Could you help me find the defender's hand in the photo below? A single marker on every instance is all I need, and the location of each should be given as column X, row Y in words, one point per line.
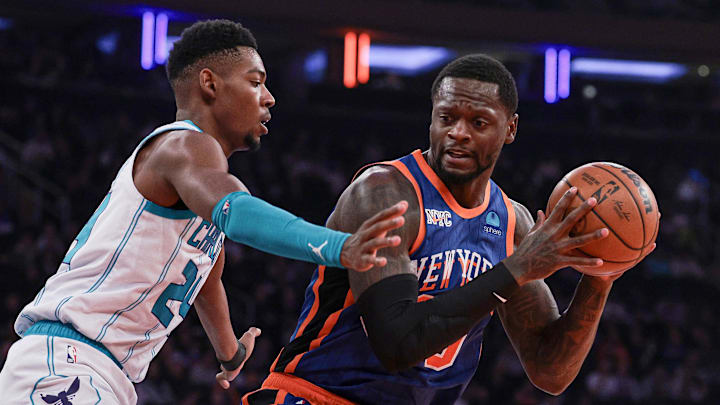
column 360, row 250
column 548, row 245
column 248, row 340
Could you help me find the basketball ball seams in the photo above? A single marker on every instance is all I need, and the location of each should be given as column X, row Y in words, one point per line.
column 606, row 224
column 637, row 205
column 604, row 181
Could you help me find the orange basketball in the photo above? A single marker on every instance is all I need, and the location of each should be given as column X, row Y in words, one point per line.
column 626, row 206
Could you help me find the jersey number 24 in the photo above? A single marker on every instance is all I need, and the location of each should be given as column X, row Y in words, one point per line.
column 177, row 292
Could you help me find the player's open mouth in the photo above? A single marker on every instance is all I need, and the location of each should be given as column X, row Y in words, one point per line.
column 457, row 154
column 263, row 123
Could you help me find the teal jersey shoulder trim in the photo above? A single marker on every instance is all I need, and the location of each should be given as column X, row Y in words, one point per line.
column 197, row 128
column 166, row 212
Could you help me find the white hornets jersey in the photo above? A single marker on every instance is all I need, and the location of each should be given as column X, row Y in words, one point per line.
column 131, row 274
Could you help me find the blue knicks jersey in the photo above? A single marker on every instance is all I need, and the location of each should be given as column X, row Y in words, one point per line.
column 329, row 347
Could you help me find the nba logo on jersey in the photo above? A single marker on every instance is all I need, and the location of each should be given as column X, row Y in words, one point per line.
column 72, row 353
column 226, row 207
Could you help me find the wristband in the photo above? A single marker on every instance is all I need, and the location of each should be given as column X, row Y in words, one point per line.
column 237, row 359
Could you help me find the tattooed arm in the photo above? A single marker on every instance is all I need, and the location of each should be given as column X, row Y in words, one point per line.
column 550, row 345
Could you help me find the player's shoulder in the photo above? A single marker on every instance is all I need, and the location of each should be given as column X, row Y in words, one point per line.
column 380, row 174
column 380, row 180
column 523, row 220
column 188, row 147
column 375, row 188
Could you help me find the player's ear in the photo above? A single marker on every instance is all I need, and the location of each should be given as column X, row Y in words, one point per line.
column 512, row 124
column 207, row 79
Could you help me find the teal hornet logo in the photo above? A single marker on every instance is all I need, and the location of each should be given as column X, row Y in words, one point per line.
column 492, row 219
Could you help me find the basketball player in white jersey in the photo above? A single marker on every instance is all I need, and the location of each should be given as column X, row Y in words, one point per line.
column 154, row 245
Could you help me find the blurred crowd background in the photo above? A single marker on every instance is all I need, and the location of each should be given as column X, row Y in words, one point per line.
column 75, row 102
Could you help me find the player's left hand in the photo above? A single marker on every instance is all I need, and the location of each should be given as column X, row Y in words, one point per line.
column 248, row 340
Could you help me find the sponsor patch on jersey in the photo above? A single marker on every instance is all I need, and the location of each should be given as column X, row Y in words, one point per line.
column 72, row 353
column 438, row 218
column 492, row 224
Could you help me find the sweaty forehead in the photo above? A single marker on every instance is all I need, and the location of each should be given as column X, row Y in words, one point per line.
column 455, row 90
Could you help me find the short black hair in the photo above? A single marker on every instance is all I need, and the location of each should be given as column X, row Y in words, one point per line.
column 206, row 38
column 484, row 68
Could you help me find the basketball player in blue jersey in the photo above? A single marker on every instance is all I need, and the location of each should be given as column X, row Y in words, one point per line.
column 411, row 332
column 154, row 246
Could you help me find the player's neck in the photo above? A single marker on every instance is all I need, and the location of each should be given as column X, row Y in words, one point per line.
column 470, row 194
column 206, row 124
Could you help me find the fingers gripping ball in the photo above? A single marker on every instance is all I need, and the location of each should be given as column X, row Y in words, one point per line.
column 625, row 205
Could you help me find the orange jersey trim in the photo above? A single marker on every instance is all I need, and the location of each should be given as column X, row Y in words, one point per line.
column 313, row 311
column 510, row 232
column 466, row 213
column 406, row 172
column 316, row 302
column 280, row 397
column 303, row 389
column 330, row 323
column 421, row 229
column 326, row 329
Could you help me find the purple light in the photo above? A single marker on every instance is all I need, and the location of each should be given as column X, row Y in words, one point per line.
column 161, row 24
column 563, row 87
column 407, row 60
column 551, row 75
column 146, row 50
column 648, row 70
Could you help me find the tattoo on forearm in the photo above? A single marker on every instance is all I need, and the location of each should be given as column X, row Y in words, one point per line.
column 566, row 343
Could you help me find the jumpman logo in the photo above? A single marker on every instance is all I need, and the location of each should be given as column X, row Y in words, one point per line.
column 318, row 250
column 64, row 397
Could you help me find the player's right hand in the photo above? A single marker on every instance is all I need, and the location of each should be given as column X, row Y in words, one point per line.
column 360, row 250
column 547, row 247
column 224, row 377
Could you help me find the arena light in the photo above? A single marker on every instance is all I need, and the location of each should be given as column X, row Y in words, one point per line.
column 407, row 60
column 146, row 47
column 5, row 23
column 563, row 85
column 350, row 66
column 161, row 51
column 363, row 72
column 551, row 56
column 649, row 70
column 315, row 65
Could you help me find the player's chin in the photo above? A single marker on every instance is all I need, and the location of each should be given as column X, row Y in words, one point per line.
column 455, row 175
column 252, row 142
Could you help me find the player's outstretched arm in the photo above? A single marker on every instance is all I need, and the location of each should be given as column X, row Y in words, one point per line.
column 551, row 346
column 212, row 308
column 195, row 167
